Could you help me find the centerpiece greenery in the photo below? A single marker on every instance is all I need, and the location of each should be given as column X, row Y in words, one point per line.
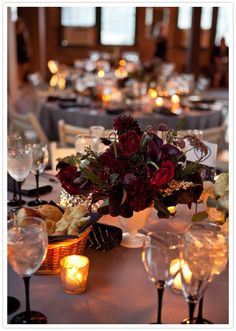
column 138, row 169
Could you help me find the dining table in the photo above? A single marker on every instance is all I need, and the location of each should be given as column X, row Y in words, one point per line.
column 118, row 289
column 87, row 115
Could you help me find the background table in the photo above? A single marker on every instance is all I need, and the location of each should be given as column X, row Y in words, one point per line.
column 51, row 113
column 118, row 291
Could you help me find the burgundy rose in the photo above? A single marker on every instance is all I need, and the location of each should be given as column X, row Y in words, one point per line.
column 129, row 143
column 67, row 175
column 164, row 175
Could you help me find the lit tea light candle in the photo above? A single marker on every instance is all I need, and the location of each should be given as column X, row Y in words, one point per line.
column 159, row 102
column 175, row 99
column 152, row 93
column 121, row 72
column 61, row 83
column 53, row 66
column 172, row 209
column 175, row 267
column 53, row 81
column 122, row 63
column 74, row 273
column 101, row 73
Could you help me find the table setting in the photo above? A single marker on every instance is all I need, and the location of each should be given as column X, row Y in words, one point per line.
column 120, row 223
column 147, row 91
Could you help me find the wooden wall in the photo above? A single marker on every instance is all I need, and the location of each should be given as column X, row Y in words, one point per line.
column 178, row 40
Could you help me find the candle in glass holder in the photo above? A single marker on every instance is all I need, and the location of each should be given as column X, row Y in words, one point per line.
column 152, row 93
column 74, row 273
column 175, row 266
column 101, row 73
column 172, row 210
column 159, row 102
column 175, row 99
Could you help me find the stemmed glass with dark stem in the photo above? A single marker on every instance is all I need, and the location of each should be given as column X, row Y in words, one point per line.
column 212, row 238
column 159, row 250
column 14, row 141
column 40, row 161
column 27, row 248
column 19, row 164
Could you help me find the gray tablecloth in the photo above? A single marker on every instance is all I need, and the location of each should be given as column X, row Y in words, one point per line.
column 51, row 113
column 118, row 291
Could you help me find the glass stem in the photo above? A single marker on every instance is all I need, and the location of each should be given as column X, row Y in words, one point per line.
column 19, row 187
column 27, row 299
column 160, row 290
column 14, row 190
column 200, row 309
column 191, row 306
column 37, row 184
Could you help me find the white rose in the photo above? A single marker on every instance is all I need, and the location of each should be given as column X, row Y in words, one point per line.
column 224, row 200
column 222, row 184
column 216, row 215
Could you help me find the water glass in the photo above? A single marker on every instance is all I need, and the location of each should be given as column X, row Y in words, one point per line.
column 27, row 244
column 19, row 165
column 159, row 251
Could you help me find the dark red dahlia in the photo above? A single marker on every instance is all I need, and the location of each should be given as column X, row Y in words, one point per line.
column 125, row 123
column 141, row 194
column 129, row 143
column 108, row 160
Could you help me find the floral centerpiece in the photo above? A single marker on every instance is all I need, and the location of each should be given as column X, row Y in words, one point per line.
column 138, row 169
column 215, row 197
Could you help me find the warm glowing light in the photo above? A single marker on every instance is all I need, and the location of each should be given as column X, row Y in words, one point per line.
column 101, row 73
column 53, row 81
column 172, row 209
column 106, row 97
column 159, row 101
column 61, row 83
column 152, row 93
column 122, row 63
column 121, row 72
column 74, row 273
column 53, row 66
column 175, row 99
column 175, row 267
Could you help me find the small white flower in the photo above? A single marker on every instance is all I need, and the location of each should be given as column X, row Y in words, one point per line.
column 222, row 184
column 216, row 215
column 224, row 200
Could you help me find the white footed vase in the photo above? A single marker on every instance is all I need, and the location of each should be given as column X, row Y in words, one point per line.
column 131, row 237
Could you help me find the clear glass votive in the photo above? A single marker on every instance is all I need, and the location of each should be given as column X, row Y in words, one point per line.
column 97, row 130
column 84, row 141
column 74, row 273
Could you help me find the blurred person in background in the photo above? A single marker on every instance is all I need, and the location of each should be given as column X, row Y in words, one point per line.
column 219, row 59
column 161, row 43
column 23, row 51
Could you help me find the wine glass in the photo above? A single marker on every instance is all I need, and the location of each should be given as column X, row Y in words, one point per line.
column 27, row 248
column 19, row 165
column 40, row 161
column 159, row 250
column 197, row 266
column 218, row 240
column 14, row 140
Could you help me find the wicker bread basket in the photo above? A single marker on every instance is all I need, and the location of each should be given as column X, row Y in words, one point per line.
column 56, row 251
